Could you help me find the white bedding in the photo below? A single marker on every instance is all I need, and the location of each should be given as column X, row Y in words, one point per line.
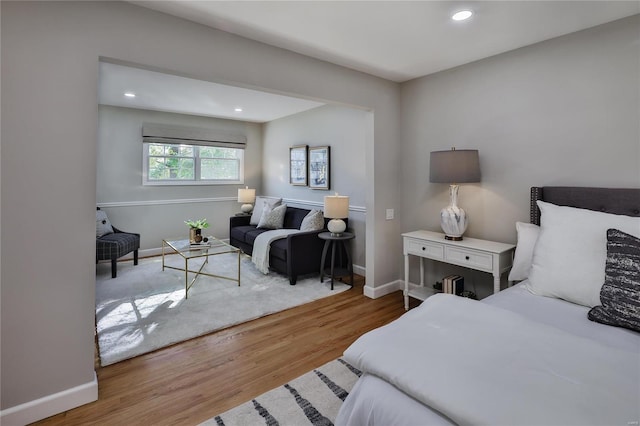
column 585, row 373
column 262, row 246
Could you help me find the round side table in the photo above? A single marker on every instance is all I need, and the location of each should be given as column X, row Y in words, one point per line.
column 332, row 240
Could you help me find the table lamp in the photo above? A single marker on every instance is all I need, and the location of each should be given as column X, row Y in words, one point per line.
column 454, row 167
column 248, row 197
column 336, row 208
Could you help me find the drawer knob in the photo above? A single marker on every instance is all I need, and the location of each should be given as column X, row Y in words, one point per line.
column 424, row 248
column 466, row 257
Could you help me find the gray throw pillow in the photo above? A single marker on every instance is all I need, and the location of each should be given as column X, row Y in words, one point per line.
column 259, row 206
column 620, row 294
column 103, row 226
column 273, row 219
column 313, row 221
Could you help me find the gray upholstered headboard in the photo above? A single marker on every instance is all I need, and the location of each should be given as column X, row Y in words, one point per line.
column 624, row 201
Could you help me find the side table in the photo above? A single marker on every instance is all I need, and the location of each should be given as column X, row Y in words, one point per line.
column 332, row 240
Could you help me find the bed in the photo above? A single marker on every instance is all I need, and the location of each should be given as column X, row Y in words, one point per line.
column 560, row 347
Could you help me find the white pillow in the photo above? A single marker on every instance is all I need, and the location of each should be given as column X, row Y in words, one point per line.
column 261, row 203
column 313, row 221
column 527, row 237
column 570, row 255
column 273, row 219
column 103, row 226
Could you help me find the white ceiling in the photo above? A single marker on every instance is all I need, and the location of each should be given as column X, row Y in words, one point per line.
column 163, row 92
column 395, row 40
column 398, row 40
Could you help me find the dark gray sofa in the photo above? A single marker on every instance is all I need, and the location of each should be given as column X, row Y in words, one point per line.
column 295, row 255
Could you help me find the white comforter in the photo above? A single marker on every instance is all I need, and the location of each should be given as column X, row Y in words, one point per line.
column 480, row 364
column 262, row 246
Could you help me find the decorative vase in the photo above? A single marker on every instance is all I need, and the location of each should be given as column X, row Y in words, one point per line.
column 195, row 235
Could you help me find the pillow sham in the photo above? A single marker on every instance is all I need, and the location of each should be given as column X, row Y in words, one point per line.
column 527, row 237
column 103, row 226
column 313, row 221
column 620, row 294
column 260, row 204
column 273, row 218
column 570, row 254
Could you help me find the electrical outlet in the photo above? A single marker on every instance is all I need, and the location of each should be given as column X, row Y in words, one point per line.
column 390, row 214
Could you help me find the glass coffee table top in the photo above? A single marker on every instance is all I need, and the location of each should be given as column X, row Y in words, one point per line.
column 190, row 251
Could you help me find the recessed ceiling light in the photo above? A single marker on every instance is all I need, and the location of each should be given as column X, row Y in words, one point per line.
column 130, row 95
column 238, row 109
column 462, row 15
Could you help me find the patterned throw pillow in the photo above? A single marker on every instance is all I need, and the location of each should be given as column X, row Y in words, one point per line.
column 103, row 226
column 273, row 219
column 620, row 294
column 260, row 205
column 313, row 221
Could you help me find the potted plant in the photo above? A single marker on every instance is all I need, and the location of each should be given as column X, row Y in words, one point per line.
column 195, row 229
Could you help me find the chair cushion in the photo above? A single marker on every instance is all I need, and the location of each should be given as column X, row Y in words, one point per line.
column 116, row 245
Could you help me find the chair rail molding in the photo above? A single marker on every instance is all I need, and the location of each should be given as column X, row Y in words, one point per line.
column 165, row 202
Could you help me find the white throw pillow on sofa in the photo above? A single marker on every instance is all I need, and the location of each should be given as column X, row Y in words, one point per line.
column 261, row 203
column 570, row 255
column 273, row 218
column 527, row 237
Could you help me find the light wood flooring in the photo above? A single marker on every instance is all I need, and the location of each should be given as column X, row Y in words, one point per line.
column 190, row 382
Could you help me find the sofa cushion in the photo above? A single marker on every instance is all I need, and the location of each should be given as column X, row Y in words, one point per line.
column 251, row 235
column 239, row 232
column 293, row 217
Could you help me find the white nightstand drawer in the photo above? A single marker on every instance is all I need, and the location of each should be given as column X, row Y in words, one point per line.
column 425, row 249
column 470, row 258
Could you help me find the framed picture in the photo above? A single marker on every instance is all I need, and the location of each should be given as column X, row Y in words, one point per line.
column 298, row 165
column 319, row 167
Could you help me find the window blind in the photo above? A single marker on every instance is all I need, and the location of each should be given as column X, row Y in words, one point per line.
column 162, row 133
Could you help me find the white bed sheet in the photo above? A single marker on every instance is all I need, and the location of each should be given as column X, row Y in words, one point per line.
column 374, row 401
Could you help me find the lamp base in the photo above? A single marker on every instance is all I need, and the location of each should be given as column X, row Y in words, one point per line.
column 336, row 227
column 246, row 208
column 453, row 219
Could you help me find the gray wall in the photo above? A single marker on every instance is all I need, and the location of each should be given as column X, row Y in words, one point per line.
column 158, row 212
column 345, row 131
column 50, row 54
column 561, row 112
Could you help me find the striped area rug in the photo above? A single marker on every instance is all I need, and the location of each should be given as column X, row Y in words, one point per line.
column 312, row 399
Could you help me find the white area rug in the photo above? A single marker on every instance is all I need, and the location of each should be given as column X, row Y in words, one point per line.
column 312, row 399
column 144, row 308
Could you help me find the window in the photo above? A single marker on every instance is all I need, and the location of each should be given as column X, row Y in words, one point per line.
column 178, row 155
column 190, row 164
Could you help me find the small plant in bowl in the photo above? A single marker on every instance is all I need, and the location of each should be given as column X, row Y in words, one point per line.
column 195, row 229
column 197, row 224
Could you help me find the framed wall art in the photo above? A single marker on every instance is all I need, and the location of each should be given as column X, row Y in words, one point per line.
column 319, row 167
column 298, row 165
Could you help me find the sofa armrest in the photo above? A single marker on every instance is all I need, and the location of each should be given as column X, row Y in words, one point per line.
column 305, row 252
column 239, row 221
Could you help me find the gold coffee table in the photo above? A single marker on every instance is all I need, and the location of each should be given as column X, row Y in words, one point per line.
column 187, row 252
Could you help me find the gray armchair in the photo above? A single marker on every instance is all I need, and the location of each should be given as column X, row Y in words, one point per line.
column 114, row 243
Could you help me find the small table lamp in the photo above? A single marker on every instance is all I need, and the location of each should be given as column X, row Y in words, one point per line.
column 248, row 197
column 453, row 167
column 336, row 208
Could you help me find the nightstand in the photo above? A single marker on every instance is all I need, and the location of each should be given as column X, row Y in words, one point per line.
column 481, row 255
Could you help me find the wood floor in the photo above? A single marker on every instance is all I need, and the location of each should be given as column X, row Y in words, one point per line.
column 193, row 381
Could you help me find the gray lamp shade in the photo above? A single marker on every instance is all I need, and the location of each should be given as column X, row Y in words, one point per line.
column 454, row 166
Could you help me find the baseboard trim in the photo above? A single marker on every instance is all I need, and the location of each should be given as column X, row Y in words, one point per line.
column 50, row 405
column 383, row 290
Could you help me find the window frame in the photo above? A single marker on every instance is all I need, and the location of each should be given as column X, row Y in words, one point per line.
column 197, row 166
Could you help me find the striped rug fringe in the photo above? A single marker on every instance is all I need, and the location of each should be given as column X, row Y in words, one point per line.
column 312, row 399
